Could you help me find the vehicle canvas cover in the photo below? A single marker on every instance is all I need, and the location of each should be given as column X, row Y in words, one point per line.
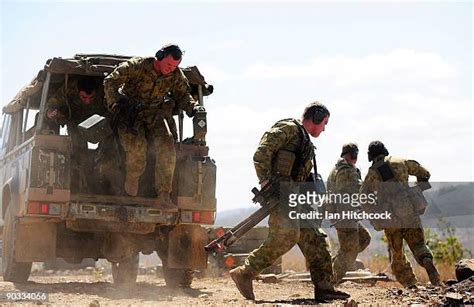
column 84, row 64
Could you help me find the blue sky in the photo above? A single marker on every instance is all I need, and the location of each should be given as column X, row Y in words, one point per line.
column 400, row 72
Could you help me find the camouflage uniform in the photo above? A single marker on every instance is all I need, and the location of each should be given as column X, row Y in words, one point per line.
column 76, row 111
column 284, row 232
column 353, row 236
column 72, row 111
column 138, row 80
column 410, row 228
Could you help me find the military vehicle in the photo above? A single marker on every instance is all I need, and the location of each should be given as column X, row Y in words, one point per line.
column 52, row 207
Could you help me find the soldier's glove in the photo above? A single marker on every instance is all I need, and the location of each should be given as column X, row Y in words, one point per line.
column 122, row 105
column 198, row 109
column 59, row 115
column 137, row 108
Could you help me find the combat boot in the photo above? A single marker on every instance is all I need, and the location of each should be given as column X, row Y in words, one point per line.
column 432, row 271
column 324, row 290
column 164, row 202
column 330, row 294
column 243, row 281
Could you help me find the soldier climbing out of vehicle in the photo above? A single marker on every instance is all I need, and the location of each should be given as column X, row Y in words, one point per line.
column 139, row 86
column 77, row 99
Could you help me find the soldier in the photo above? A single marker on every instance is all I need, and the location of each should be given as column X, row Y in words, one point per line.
column 146, row 82
column 290, row 135
column 405, row 223
column 353, row 237
column 72, row 103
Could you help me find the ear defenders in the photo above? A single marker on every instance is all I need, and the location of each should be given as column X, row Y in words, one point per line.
column 166, row 50
column 318, row 116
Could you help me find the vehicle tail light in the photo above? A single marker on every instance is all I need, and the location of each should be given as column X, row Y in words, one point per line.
column 35, row 207
column 44, row 208
column 196, row 217
column 207, row 217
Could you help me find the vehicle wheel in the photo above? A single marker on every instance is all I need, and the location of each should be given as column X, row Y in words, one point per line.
column 12, row 271
column 178, row 278
column 125, row 272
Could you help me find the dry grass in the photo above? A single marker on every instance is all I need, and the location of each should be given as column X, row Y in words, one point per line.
column 294, row 261
column 446, row 272
column 378, row 265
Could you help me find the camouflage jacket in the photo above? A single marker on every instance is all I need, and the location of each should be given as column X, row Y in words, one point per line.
column 286, row 134
column 402, row 168
column 72, row 109
column 393, row 194
column 344, row 178
column 138, row 80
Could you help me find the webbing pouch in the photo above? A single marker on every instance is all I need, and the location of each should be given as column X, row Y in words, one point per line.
column 385, row 172
column 285, row 161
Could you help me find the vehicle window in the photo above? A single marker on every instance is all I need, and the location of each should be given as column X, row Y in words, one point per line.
column 14, row 132
column 5, row 131
column 30, row 119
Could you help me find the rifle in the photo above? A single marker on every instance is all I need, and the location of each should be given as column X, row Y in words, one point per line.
column 266, row 198
column 128, row 114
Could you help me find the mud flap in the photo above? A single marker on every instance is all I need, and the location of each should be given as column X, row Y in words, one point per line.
column 35, row 242
column 186, row 247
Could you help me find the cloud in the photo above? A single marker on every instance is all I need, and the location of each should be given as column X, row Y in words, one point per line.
column 408, row 99
column 213, row 73
column 399, row 64
column 229, row 44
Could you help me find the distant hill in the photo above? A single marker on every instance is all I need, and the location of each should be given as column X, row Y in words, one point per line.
column 454, row 202
column 451, row 198
column 230, row 218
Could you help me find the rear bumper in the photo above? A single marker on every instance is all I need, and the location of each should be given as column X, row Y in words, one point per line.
column 120, row 213
column 140, row 219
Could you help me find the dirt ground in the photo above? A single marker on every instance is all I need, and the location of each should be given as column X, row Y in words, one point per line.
column 95, row 289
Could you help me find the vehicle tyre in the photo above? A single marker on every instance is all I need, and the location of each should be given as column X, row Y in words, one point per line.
column 13, row 271
column 178, row 278
column 125, row 272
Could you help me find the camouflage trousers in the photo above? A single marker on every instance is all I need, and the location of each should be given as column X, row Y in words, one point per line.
column 283, row 234
column 415, row 238
column 135, row 147
column 352, row 241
